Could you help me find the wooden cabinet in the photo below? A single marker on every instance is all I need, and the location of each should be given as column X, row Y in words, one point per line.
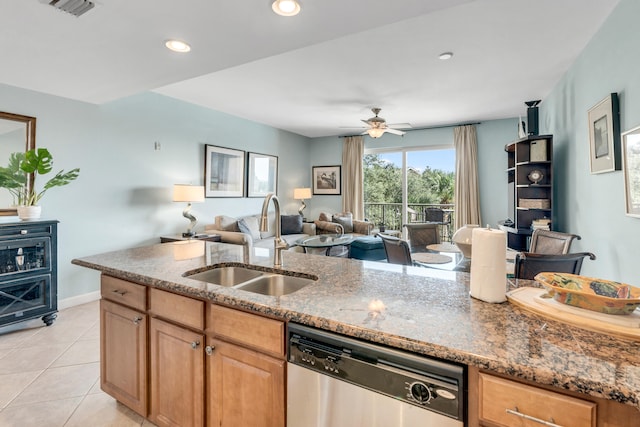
column 245, row 369
column 154, row 359
column 530, row 187
column 123, row 343
column 245, row 388
column 177, row 375
column 499, row 401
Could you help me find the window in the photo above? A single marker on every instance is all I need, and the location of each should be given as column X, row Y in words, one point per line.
column 399, row 185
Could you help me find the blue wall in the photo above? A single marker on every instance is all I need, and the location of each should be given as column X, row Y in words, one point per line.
column 123, row 197
column 593, row 206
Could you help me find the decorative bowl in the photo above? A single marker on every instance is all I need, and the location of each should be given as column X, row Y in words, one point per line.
column 604, row 296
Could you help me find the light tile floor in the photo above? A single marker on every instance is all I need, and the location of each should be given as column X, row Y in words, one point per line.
column 50, row 375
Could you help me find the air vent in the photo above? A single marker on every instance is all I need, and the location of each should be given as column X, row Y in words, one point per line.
column 74, row 7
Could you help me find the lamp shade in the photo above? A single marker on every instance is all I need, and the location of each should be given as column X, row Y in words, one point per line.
column 188, row 193
column 375, row 132
column 301, row 193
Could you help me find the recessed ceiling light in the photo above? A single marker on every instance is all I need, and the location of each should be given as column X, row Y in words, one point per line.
column 286, row 7
column 177, row 46
column 446, row 55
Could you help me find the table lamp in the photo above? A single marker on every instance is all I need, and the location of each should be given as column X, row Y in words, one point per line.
column 301, row 194
column 189, row 194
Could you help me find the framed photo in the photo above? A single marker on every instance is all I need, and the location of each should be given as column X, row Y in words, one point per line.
column 604, row 135
column 326, row 179
column 223, row 172
column 631, row 166
column 262, row 175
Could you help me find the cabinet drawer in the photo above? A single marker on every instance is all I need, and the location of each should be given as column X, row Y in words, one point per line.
column 251, row 330
column 124, row 292
column 498, row 395
column 177, row 308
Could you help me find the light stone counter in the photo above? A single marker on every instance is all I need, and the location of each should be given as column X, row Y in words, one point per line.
column 427, row 311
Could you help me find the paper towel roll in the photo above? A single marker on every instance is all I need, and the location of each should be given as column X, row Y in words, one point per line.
column 488, row 265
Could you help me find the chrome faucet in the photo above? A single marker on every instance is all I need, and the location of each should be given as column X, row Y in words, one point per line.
column 278, row 243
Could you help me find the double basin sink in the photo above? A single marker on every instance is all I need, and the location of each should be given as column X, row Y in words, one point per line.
column 245, row 278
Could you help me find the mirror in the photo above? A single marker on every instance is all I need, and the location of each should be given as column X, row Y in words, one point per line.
column 17, row 133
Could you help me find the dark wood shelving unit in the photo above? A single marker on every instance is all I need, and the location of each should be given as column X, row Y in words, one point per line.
column 530, row 187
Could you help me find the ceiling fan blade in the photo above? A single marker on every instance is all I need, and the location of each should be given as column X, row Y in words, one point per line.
column 394, row 131
column 366, row 122
column 401, row 126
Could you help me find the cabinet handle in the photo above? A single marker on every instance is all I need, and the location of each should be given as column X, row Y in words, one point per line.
column 517, row 413
column 209, row 349
column 119, row 292
column 24, row 231
column 137, row 320
column 195, row 344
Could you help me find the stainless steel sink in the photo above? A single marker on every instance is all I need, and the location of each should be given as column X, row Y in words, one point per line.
column 250, row 280
column 226, row 276
column 275, row 285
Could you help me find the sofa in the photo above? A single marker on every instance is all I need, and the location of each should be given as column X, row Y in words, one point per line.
column 342, row 223
column 246, row 230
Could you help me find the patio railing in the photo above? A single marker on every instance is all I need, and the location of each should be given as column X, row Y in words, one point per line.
column 390, row 215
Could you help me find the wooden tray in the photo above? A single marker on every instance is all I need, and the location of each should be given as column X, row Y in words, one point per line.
column 625, row 326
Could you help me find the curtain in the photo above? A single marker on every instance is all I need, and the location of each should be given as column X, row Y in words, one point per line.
column 467, row 195
column 353, row 176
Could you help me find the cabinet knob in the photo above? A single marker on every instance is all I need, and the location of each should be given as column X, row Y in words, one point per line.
column 137, row 320
column 209, row 349
column 195, row 344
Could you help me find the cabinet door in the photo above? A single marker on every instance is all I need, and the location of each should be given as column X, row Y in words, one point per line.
column 245, row 388
column 123, row 355
column 177, row 375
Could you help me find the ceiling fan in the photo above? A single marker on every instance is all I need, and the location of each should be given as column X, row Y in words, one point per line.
column 378, row 126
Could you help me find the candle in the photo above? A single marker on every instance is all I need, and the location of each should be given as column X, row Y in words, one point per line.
column 488, row 265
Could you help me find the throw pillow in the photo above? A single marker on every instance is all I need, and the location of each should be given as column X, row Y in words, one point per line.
column 324, row 217
column 345, row 220
column 227, row 223
column 291, row 224
column 251, row 226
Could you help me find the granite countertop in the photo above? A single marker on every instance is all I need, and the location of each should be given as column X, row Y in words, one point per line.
column 427, row 311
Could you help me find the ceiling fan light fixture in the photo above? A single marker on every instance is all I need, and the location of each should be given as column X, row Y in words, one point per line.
column 286, row 7
column 177, row 46
column 375, row 132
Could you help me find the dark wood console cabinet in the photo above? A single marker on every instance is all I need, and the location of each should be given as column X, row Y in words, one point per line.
column 28, row 271
column 530, row 187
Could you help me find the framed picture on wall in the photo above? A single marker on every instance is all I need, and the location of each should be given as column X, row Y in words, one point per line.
column 631, row 166
column 326, row 180
column 262, row 175
column 604, row 135
column 223, row 172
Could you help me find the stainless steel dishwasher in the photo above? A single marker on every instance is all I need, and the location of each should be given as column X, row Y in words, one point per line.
column 337, row 381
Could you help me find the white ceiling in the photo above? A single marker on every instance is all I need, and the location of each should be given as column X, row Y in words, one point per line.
column 315, row 74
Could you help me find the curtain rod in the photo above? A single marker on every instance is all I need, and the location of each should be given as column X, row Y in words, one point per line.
column 427, row 127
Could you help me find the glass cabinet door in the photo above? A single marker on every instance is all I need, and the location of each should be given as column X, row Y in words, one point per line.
column 24, row 255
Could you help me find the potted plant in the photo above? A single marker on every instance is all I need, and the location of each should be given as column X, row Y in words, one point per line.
column 38, row 161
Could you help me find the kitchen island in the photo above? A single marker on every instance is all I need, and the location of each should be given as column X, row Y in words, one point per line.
column 426, row 311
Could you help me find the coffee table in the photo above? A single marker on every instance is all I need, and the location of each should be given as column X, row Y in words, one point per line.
column 323, row 243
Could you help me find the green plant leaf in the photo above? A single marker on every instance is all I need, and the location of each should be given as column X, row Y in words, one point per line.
column 39, row 160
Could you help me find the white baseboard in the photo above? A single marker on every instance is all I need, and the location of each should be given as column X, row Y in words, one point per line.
column 78, row 299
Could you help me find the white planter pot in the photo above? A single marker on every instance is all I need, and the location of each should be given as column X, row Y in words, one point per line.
column 26, row 213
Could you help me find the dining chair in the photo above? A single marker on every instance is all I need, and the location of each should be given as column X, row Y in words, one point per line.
column 438, row 216
column 551, row 242
column 422, row 234
column 397, row 250
column 528, row 264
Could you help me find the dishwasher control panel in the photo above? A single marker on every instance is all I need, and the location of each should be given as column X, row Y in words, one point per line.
column 428, row 383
